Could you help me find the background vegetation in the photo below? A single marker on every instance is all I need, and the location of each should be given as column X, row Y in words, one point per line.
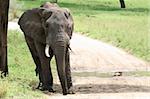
column 99, row 19
column 105, row 20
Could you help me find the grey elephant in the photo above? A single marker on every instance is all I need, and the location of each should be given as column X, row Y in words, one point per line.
column 48, row 30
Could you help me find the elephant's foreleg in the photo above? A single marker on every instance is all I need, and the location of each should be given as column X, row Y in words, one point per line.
column 68, row 73
column 35, row 57
column 46, row 74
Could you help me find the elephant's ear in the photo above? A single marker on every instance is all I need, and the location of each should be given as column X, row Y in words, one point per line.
column 31, row 24
column 45, row 13
column 69, row 17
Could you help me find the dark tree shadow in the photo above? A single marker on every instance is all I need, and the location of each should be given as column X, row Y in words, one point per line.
column 104, row 88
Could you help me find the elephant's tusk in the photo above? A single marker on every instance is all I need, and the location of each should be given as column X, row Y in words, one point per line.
column 47, row 50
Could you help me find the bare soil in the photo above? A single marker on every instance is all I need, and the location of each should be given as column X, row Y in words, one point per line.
column 90, row 55
column 95, row 56
column 106, row 88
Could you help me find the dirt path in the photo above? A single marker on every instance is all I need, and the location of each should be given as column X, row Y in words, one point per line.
column 95, row 56
column 103, row 96
column 106, row 88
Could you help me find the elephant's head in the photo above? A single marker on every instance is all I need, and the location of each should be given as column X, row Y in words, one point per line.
column 58, row 28
column 50, row 26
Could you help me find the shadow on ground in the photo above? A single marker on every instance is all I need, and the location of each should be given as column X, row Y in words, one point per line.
column 109, row 88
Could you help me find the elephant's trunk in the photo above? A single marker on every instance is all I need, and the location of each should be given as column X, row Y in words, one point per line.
column 60, row 53
column 47, row 50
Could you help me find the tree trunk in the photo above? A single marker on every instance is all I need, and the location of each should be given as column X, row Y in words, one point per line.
column 122, row 3
column 4, row 7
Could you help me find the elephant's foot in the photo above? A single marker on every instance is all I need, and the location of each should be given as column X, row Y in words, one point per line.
column 65, row 93
column 49, row 88
column 71, row 90
column 39, row 86
column 44, row 88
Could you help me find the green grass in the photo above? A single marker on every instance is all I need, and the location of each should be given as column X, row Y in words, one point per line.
column 3, row 88
column 124, row 28
column 21, row 66
column 105, row 20
column 22, row 80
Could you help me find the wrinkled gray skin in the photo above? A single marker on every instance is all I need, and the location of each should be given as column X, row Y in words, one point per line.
column 51, row 27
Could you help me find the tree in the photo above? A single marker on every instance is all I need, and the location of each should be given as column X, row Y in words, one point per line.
column 4, row 7
column 122, row 3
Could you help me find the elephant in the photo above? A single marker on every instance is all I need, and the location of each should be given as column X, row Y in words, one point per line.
column 48, row 31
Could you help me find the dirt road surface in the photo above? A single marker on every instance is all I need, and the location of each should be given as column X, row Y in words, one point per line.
column 95, row 56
